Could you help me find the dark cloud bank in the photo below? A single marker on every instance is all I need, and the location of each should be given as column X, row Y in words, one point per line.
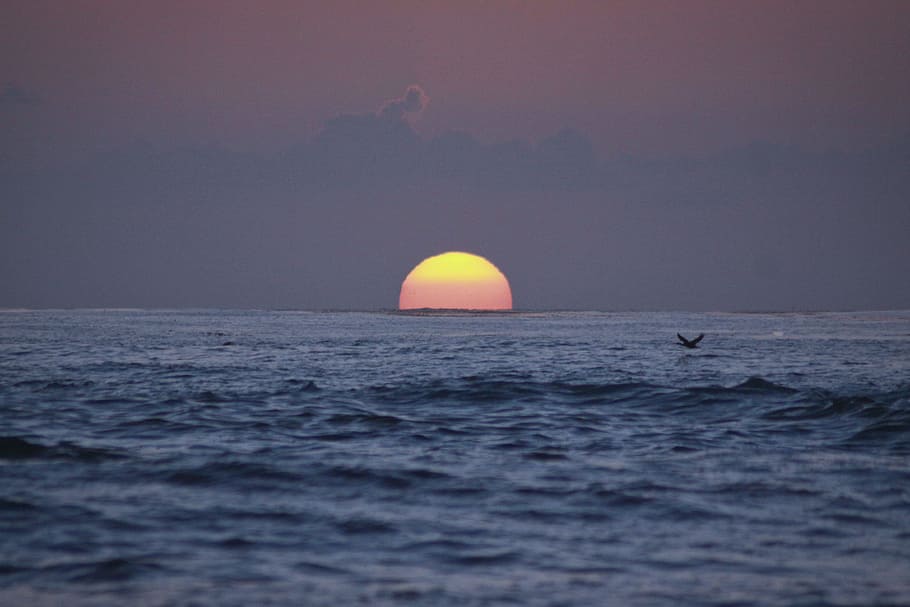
column 337, row 221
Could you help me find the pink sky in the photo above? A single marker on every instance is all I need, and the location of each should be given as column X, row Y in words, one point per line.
column 721, row 155
column 636, row 76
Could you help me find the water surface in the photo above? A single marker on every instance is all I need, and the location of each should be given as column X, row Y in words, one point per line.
column 238, row 458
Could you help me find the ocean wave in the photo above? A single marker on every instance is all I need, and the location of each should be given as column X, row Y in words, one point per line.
column 364, row 526
column 17, row 506
column 54, row 385
column 365, row 419
column 17, row 448
column 817, row 404
column 479, row 390
column 476, row 389
column 746, row 411
column 759, row 384
column 232, row 472
column 389, row 478
column 118, row 569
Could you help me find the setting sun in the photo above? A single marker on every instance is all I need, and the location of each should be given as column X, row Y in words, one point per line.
column 455, row 281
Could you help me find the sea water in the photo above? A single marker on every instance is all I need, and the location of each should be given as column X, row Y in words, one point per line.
column 294, row 458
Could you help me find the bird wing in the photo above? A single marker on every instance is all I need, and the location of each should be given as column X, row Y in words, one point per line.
column 682, row 339
column 698, row 339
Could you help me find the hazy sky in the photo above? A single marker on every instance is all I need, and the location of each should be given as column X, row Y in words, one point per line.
column 605, row 155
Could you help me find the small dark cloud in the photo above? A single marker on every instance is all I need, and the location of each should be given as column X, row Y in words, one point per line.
column 414, row 101
column 15, row 95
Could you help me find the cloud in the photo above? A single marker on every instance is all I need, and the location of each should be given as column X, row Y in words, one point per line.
column 382, row 146
column 366, row 147
column 15, row 95
column 414, row 101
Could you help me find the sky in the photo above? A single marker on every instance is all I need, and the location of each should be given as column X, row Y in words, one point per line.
column 645, row 155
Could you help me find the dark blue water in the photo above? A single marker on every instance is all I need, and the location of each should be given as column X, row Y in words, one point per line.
column 250, row 458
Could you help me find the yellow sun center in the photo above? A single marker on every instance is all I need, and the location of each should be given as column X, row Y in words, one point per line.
column 456, row 281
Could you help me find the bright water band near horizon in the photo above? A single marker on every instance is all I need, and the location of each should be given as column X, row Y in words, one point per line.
column 288, row 458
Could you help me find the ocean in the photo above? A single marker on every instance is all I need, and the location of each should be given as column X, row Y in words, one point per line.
column 213, row 457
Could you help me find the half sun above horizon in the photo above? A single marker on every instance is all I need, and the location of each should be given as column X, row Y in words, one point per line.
column 455, row 281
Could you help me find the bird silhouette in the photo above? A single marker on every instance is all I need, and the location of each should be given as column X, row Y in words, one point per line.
column 690, row 343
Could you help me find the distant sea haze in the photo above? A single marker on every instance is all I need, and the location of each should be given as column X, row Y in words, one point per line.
column 338, row 221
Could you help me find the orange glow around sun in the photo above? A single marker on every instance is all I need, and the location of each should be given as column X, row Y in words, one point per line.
column 455, row 281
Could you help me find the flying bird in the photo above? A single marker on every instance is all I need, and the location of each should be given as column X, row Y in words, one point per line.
column 690, row 343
